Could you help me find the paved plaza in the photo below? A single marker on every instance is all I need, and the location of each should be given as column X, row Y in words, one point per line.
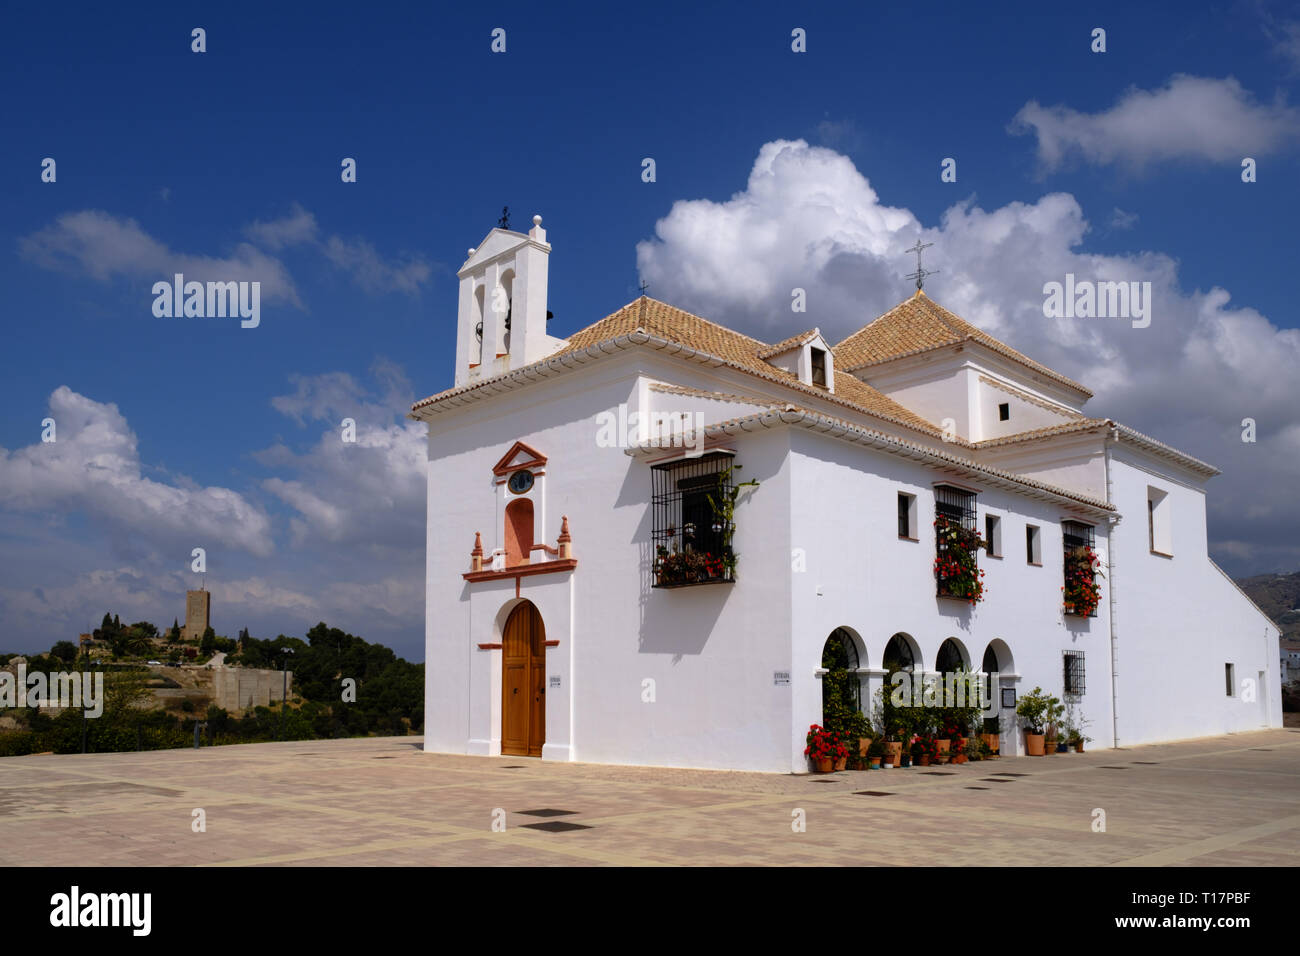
column 1231, row 800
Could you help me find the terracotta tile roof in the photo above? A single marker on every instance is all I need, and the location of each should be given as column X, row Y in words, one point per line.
column 1079, row 425
column 921, row 324
column 677, row 325
column 716, row 396
column 1124, row 432
column 786, row 345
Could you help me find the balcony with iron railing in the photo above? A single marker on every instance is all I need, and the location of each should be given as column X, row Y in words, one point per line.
column 1080, row 592
column 956, row 546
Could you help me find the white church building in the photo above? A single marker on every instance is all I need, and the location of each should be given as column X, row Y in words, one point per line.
column 593, row 594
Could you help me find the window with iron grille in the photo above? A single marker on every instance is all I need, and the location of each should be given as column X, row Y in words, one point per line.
column 1080, row 578
column 1074, row 683
column 692, row 543
column 956, row 543
column 955, row 504
column 1077, row 535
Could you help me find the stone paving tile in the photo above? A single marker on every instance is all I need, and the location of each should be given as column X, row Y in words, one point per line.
column 1232, row 800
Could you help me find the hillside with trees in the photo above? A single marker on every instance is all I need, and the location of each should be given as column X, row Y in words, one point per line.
column 1278, row 596
column 343, row 686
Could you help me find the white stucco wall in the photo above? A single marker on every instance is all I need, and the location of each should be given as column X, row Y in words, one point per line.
column 1178, row 621
column 818, row 549
column 875, row 584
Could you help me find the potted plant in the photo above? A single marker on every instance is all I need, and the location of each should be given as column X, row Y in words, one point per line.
column 942, row 741
column 992, row 735
column 1033, row 710
column 724, row 517
column 956, row 564
column 841, row 751
column 1081, row 594
column 958, row 750
column 894, row 745
column 917, row 750
column 822, row 749
column 1055, row 717
column 857, row 730
column 876, row 753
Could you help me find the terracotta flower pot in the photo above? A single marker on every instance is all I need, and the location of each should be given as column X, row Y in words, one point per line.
column 863, row 744
column 841, row 762
column 993, row 742
column 960, row 758
column 875, row 763
column 924, row 760
column 1034, row 744
column 823, row 764
column 942, row 746
column 1078, row 746
column 895, row 748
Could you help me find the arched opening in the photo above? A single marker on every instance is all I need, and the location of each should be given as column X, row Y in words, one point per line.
column 519, row 531
column 951, row 657
column 476, row 347
column 523, row 682
column 508, row 285
column 841, row 686
column 997, row 659
column 900, row 654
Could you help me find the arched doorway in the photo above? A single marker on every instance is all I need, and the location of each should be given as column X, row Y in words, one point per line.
column 997, row 660
column 523, row 683
column 841, row 686
column 899, row 655
column 951, row 657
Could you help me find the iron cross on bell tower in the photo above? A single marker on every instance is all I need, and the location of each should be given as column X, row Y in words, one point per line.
column 920, row 274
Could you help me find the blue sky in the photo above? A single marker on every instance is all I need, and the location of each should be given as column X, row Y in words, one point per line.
column 231, row 158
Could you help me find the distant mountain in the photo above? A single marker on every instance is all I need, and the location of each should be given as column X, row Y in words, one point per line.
column 1278, row 595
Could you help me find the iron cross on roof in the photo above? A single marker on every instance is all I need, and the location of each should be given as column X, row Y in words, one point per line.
column 920, row 274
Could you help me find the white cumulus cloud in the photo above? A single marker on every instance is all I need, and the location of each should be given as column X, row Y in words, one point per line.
column 809, row 219
column 1190, row 117
column 93, row 467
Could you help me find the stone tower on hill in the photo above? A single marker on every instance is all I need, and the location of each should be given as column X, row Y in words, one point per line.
column 198, row 612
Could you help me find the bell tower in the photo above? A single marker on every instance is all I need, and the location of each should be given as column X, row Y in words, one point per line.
column 501, row 318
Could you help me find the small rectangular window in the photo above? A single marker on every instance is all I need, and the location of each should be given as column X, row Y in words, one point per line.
column 1074, row 682
column 993, row 535
column 1158, row 521
column 1033, row 551
column 1229, row 680
column 818, row 366
column 906, row 515
column 1004, row 411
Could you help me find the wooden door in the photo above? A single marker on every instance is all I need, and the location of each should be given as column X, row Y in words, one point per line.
column 523, row 683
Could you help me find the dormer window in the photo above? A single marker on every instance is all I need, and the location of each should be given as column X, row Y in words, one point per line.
column 818, row 366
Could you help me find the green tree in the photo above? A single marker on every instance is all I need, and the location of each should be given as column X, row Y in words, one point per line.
column 134, row 643
column 65, row 651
